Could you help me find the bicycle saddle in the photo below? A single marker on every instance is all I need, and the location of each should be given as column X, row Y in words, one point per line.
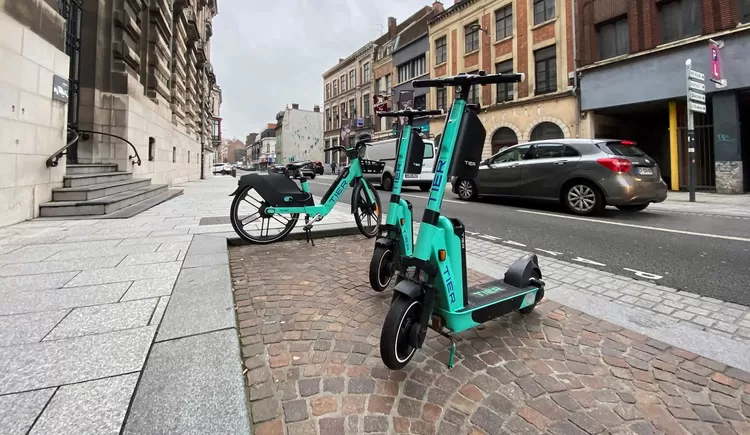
column 363, row 138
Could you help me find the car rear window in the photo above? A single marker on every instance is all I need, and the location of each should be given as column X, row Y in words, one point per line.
column 619, row 149
column 429, row 151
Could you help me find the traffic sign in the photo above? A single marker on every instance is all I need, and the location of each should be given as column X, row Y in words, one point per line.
column 697, row 75
column 697, row 96
column 697, row 86
column 697, row 107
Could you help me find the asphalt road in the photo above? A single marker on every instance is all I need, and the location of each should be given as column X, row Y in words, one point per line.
column 707, row 255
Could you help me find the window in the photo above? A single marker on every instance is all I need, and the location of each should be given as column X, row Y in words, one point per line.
column 328, row 119
column 512, row 155
column 680, row 19
column 504, row 22
column 366, row 73
column 544, row 10
column 613, row 38
column 411, row 69
column 343, row 82
column 503, row 138
column 366, row 106
column 545, row 62
column 377, row 85
column 471, row 37
column 441, row 50
column 328, row 90
column 344, row 115
column 388, row 84
column 441, row 99
column 420, row 102
column 335, row 117
column 174, row 154
column 327, row 156
column 352, row 108
column 352, row 79
column 745, row 11
column 335, row 87
column 188, row 156
column 474, row 93
column 151, row 149
column 546, row 131
column 548, row 151
column 505, row 90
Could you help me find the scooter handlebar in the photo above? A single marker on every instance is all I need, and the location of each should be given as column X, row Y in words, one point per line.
column 410, row 113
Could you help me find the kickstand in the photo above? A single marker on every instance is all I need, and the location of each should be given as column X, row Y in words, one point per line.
column 309, row 237
column 452, row 350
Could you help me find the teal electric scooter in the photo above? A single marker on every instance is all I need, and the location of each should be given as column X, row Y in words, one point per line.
column 395, row 237
column 435, row 293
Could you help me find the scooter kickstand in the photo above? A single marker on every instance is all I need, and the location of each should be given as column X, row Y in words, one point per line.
column 452, row 353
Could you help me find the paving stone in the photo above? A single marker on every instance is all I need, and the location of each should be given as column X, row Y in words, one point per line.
column 487, row 421
column 49, row 267
column 148, row 258
column 361, row 386
column 28, row 327
column 119, row 274
column 19, row 411
column 331, row 425
column 201, row 260
column 375, row 423
column 333, row 385
column 104, row 318
column 32, row 283
column 149, row 288
column 296, row 410
column 89, row 407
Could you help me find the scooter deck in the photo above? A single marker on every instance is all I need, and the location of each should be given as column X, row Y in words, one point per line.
column 496, row 298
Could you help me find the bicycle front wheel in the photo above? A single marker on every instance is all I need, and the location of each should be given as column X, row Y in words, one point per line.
column 366, row 213
column 253, row 224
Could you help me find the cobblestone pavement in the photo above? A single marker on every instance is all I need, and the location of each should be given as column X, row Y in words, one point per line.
column 310, row 328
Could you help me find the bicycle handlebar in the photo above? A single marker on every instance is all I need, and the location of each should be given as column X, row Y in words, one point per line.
column 409, row 113
column 470, row 79
column 338, row 147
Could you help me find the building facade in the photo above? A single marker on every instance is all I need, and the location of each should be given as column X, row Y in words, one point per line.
column 300, row 136
column 264, row 149
column 642, row 47
column 410, row 62
column 532, row 37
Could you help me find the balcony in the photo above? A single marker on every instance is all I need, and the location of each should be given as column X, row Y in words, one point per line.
column 192, row 25
column 210, row 73
column 181, row 4
column 200, row 51
column 209, row 29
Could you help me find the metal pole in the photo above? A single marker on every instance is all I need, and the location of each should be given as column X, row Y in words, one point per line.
column 690, row 133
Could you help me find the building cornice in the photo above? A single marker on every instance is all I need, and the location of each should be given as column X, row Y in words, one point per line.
column 348, row 60
column 459, row 6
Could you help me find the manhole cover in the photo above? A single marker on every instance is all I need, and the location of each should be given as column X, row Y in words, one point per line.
column 217, row 220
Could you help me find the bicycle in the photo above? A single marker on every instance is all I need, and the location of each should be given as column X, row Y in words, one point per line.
column 275, row 197
column 396, row 235
column 436, row 294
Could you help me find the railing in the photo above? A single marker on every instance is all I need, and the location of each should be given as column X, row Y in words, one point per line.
column 52, row 161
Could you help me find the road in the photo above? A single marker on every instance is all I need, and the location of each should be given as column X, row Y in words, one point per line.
column 707, row 255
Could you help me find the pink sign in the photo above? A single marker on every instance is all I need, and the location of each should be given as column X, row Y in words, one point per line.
column 715, row 62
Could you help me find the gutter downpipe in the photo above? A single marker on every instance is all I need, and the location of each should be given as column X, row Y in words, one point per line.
column 575, row 71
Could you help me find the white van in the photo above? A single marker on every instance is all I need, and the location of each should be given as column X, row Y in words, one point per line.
column 385, row 151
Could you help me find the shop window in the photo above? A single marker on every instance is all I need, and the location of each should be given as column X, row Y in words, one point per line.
column 680, row 19
column 613, row 38
column 503, row 138
column 546, row 131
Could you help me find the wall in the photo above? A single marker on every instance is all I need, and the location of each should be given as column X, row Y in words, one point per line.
column 302, row 135
column 32, row 125
column 661, row 75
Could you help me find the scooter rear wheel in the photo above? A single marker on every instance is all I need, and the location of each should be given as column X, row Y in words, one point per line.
column 395, row 349
column 381, row 268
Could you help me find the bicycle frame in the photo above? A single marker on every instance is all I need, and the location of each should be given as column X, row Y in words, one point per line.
column 347, row 178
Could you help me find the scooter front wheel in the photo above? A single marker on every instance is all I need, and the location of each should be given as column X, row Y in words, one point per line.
column 381, row 268
column 395, row 348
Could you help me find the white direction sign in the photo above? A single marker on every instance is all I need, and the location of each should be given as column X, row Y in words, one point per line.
column 697, row 86
column 697, row 107
column 697, row 75
column 697, row 96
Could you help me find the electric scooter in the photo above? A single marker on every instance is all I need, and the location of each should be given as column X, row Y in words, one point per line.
column 395, row 237
column 435, row 293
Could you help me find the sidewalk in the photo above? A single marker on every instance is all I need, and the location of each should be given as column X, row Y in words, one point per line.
column 706, row 204
column 310, row 328
column 93, row 310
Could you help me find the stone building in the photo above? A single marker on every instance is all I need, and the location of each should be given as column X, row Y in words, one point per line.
column 299, row 134
column 534, row 38
column 642, row 47
column 128, row 80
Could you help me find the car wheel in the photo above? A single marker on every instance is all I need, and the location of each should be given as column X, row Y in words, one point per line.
column 424, row 188
column 312, row 177
column 387, row 183
column 632, row 208
column 583, row 198
column 466, row 190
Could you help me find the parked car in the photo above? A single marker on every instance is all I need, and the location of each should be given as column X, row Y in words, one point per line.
column 276, row 169
column 385, row 151
column 308, row 171
column 585, row 175
column 319, row 168
column 222, row 168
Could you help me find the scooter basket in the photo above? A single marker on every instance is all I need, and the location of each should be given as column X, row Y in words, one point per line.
column 469, row 144
column 372, row 166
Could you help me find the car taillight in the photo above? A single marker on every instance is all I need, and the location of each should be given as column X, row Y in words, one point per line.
column 627, row 142
column 615, row 164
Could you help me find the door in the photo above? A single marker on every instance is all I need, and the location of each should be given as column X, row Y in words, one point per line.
column 503, row 173
column 545, row 169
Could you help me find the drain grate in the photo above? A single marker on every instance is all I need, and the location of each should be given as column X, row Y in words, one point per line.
column 215, row 220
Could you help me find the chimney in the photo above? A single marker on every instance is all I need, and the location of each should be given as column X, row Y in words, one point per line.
column 392, row 27
column 295, row 106
column 341, row 59
column 437, row 7
column 271, row 125
column 316, row 108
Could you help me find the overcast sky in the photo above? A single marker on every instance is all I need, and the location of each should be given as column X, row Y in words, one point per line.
column 269, row 54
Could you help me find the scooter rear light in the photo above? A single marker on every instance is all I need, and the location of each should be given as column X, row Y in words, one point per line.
column 441, row 254
column 403, row 221
column 615, row 164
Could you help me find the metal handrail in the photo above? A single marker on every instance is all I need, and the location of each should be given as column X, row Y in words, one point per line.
column 53, row 159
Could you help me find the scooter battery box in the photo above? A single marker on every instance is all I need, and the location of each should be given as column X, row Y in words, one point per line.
column 469, row 144
column 415, row 154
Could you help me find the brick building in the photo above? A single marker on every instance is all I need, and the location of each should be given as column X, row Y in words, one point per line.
column 528, row 36
column 632, row 57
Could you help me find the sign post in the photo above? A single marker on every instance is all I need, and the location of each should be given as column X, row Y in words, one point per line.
column 696, row 102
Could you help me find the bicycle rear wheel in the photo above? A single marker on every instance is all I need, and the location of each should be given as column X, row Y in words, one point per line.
column 367, row 214
column 253, row 224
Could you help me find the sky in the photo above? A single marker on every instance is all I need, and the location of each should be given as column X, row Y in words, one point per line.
column 267, row 54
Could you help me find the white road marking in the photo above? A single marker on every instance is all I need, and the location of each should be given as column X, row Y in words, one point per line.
column 644, row 274
column 485, row 236
column 587, row 261
column 471, row 233
column 549, row 252
column 643, row 227
column 511, row 242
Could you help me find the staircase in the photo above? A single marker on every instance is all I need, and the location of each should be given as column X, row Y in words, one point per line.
column 101, row 191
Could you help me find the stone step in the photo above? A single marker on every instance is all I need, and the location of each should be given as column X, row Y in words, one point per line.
column 103, row 205
column 79, row 180
column 140, row 207
column 93, row 191
column 72, row 169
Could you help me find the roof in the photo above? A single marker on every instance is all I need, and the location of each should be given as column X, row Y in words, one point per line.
column 459, row 5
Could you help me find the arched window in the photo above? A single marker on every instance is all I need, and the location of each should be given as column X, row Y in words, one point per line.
column 546, row 131
column 503, row 137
